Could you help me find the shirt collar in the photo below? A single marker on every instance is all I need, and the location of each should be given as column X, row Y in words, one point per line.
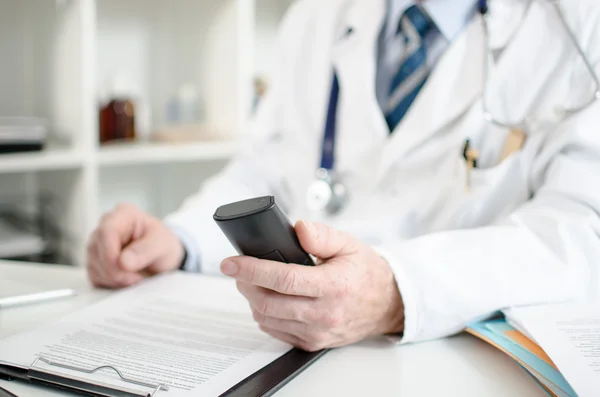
column 450, row 16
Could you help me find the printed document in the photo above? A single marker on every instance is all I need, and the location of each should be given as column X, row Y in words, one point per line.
column 193, row 333
column 570, row 335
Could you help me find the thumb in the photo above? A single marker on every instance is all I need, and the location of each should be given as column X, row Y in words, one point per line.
column 323, row 241
column 143, row 252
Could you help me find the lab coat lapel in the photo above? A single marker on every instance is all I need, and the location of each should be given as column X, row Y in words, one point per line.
column 453, row 86
column 456, row 82
column 354, row 58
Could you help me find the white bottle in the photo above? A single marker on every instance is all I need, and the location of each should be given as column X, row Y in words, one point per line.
column 185, row 107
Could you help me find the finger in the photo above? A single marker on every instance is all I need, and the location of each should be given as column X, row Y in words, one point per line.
column 94, row 276
column 127, row 221
column 99, row 270
column 95, row 270
column 284, row 278
column 116, row 230
column 118, row 280
column 291, row 327
column 128, row 279
column 273, row 304
column 143, row 252
column 323, row 241
column 105, row 276
column 284, row 337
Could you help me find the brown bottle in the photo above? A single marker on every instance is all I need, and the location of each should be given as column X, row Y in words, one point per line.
column 117, row 117
column 117, row 121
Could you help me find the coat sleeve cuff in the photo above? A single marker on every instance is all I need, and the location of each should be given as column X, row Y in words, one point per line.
column 409, row 298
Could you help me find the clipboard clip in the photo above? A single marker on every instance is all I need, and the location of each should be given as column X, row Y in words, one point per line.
column 155, row 387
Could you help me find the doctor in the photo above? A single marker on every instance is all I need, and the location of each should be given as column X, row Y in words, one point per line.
column 452, row 148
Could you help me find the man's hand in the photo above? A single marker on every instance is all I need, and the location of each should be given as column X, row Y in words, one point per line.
column 352, row 295
column 128, row 245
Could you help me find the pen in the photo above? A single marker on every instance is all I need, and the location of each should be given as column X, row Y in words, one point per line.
column 470, row 155
column 19, row 300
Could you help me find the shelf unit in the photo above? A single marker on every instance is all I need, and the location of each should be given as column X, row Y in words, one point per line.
column 165, row 153
column 59, row 55
column 47, row 160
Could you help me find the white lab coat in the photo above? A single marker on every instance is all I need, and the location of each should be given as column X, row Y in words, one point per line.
column 529, row 230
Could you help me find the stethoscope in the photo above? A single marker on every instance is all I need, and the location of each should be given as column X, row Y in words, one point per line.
column 328, row 194
column 561, row 113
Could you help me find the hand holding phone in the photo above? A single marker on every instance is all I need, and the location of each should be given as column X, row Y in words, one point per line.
column 258, row 228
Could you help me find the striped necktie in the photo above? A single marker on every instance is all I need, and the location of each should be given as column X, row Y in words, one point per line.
column 413, row 71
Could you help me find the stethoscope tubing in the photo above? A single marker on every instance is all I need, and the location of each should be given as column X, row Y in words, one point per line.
column 561, row 112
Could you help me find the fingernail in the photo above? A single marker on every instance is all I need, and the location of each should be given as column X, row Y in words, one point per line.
column 128, row 259
column 229, row 268
column 312, row 229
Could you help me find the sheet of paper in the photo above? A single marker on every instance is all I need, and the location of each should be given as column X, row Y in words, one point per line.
column 570, row 334
column 194, row 333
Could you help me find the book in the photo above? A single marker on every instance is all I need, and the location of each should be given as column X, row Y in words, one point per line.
column 529, row 355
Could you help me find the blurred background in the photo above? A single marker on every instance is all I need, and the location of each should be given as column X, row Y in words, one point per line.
column 103, row 101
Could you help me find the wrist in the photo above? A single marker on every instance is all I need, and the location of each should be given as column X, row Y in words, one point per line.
column 176, row 255
column 189, row 259
column 184, row 258
column 394, row 321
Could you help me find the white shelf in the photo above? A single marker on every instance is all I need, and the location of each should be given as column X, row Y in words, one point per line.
column 45, row 160
column 61, row 57
column 116, row 155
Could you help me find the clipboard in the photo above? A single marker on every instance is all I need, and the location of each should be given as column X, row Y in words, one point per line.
column 262, row 383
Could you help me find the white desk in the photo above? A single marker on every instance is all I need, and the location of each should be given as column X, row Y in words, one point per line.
column 460, row 366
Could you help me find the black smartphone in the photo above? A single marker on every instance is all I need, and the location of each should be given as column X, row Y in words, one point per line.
column 258, row 228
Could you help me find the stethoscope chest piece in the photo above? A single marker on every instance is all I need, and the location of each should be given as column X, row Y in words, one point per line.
column 327, row 193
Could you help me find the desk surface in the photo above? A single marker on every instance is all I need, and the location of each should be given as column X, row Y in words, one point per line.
column 459, row 366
